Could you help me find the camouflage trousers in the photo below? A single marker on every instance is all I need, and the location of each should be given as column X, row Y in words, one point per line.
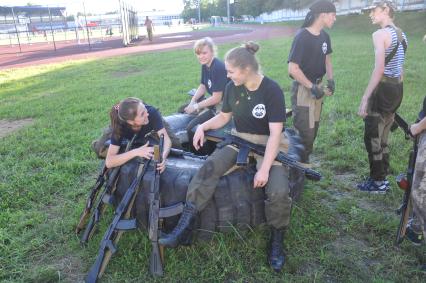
column 418, row 189
column 277, row 203
column 376, row 134
column 306, row 116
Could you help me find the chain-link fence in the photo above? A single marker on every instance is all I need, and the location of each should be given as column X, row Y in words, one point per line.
column 36, row 28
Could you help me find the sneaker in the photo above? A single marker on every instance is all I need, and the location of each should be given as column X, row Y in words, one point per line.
column 387, row 183
column 412, row 236
column 373, row 187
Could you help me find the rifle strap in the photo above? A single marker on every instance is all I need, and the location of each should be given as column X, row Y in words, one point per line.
column 400, row 40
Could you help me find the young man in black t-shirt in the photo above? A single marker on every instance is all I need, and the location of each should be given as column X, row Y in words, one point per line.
column 309, row 60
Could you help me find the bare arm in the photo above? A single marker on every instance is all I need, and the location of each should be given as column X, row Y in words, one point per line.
column 114, row 159
column 419, row 127
column 376, row 75
column 192, row 107
column 212, row 100
column 216, row 122
column 201, row 90
column 328, row 67
column 272, row 148
column 295, row 71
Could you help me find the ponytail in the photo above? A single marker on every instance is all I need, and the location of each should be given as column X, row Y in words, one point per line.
column 116, row 124
column 309, row 19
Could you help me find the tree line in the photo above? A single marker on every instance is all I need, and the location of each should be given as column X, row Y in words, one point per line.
column 238, row 8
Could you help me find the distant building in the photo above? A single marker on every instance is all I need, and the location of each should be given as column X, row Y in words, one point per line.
column 160, row 18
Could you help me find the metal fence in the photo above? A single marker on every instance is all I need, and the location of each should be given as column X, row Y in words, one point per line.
column 27, row 28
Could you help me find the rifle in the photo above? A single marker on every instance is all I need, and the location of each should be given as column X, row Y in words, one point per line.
column 245, row 147
column 120, row 223
column 104, row 198
column 182, row 153
column 405, row 182
column 92, row 197
column 156, row 257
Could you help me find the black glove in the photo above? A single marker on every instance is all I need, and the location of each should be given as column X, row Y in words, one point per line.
column 331, row 85
column 317, row 92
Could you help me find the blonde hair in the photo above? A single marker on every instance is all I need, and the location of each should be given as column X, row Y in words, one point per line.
column 244, row 56
column 206, row 41
column 391, row 5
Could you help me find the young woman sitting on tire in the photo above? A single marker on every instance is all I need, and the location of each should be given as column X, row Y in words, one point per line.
column 213, row 81
column 256, row 103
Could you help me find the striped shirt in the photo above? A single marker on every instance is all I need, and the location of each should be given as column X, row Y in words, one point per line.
column 394, row 68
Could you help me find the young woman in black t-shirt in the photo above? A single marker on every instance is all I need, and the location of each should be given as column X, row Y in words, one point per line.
column 213, row 77
column 213, row 81
column 131, row 117
column 257, row 105
column 309, row 60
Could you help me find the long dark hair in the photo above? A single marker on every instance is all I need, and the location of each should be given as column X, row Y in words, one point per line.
column 125, row 110
column 310, row 19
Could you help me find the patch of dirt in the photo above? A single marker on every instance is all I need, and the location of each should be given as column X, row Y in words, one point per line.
column 7, row 127
column 345, row 177
column 69, row 269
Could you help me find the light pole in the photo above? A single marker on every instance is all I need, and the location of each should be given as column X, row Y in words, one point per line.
column 199, row 11
column 228, row 12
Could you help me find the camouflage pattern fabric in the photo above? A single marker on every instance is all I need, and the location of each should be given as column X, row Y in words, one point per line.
column 277, row 203
column 306, row 116
column 376, row 134
column 382, row 105
column 418, row 191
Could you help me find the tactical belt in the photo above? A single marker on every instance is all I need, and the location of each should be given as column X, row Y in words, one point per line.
column 390, row 80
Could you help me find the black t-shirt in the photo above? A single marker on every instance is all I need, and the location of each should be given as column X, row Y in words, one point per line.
column 309, row 51
column 214, row 77
column 155, row 124
column 254, row 110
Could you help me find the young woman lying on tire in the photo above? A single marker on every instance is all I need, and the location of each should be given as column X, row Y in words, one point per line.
column 132, row 117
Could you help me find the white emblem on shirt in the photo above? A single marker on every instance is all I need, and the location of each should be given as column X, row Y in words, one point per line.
column 209, row 83
column 324, row 47
column 259, row 111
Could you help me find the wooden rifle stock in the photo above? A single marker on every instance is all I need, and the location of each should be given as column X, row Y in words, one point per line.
column 156, row 257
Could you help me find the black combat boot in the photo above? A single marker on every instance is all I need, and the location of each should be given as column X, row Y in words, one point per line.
column 276, row 255
column 183, row 227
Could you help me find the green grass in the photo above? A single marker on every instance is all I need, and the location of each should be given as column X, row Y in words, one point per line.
column 337, row 234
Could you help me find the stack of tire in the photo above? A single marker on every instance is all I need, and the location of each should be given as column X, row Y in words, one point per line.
column 235, row 203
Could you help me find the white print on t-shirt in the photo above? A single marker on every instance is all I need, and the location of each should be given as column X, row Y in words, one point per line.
column 324, row 47
column 259, row 111
column 209, row 83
